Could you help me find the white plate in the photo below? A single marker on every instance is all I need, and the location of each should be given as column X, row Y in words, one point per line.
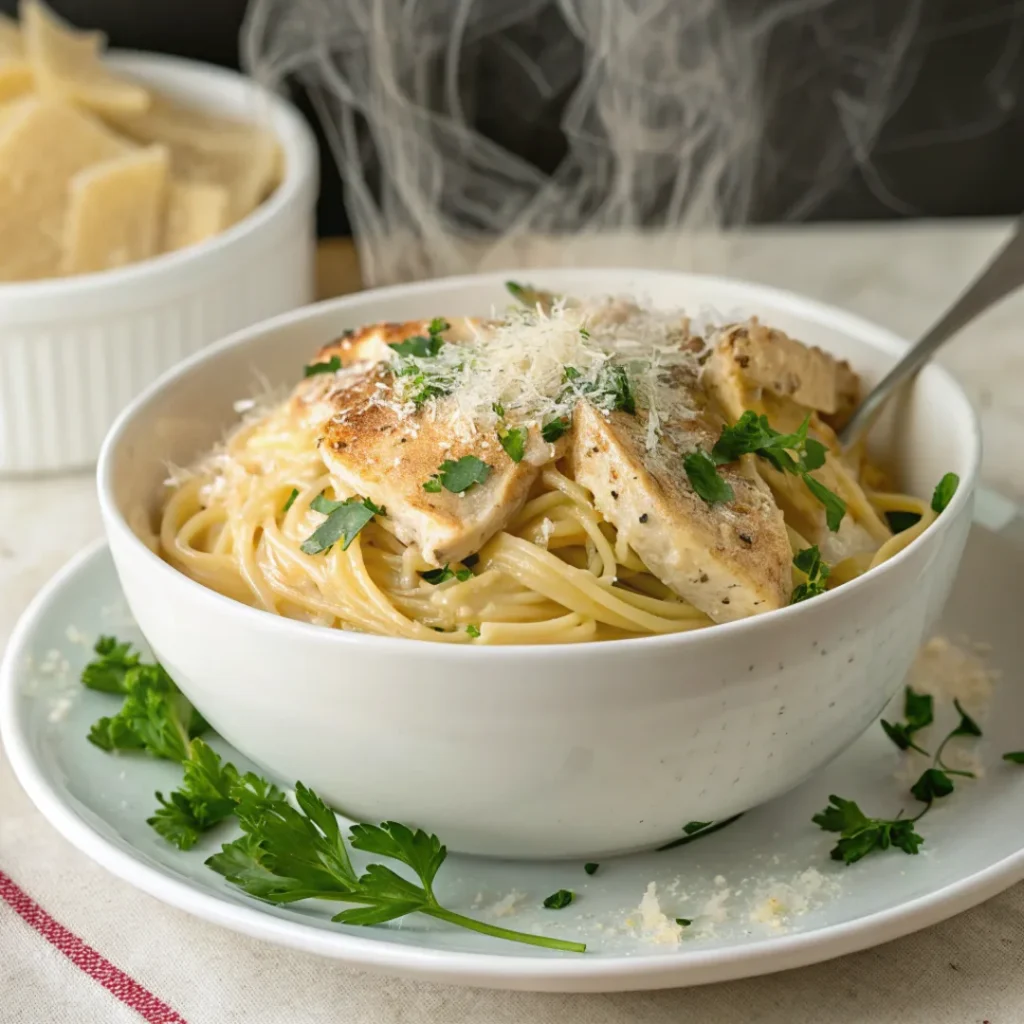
column 974, row 846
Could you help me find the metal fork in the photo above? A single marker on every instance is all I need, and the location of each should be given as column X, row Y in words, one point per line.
column 1003, row 274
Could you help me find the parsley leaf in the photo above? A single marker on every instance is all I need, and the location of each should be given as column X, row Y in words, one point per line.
column 1014, row 756
column 473, row 630
column 861, row 835
column 809, row 562
column 967, row 725
column 899, row 520
column 458, row 477
column 933, row 784
column 554, row 429
column 433, row 485
column 944, row 491
column 570, row 373
column 918, row 712
column 344, row 521
column 683, row 922
column 285, row 853
column 614, row 381
column 291, row 499
column 513, row 441
column 107, row 672
column 446, row 573
column 560, row 899
column 695, row 830
column 155, row 717
column 835, row 507
column 530, row 296
column 291, row 853
column 333, row 365
column 418, row 347
column 204, row 799
column 591, row 868
column 704, row 478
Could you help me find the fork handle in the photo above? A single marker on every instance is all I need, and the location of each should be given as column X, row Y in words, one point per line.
column 1003, row 275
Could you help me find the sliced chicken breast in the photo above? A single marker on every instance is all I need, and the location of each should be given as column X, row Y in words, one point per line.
column 376, row 448
column 824, row 383
column 767, row 360
column 730, row 560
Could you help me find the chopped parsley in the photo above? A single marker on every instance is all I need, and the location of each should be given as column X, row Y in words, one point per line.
column 900, row 520
column 560, row 899
column 1014, row 756
column 291, row 499
column 753, row 435
column 446, row 573
column 683, row 922
column 458, row 477
column 944, row 491
column 473, row 631
column 835, row 507
column 498, row 409
column 918, row 713
column 418, row 369
column 570, row 373
column 705, row 479
column 591, row 868
column 333, row 365
column 513, row 441
column 809, row 562
column 554, row 429
column 694, row 830
column 609, row 390
column 344, row 521
column 418, row 347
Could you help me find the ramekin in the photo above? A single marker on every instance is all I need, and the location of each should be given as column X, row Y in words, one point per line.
column 582, row 750
column 74, row 351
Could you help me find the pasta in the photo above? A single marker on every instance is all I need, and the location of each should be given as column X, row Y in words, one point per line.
column 558, row 571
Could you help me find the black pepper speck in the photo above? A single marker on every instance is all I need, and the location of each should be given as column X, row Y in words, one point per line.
column 643, row 518
column 615, row 495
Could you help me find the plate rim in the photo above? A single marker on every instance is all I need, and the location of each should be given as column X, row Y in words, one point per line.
column 611, row 973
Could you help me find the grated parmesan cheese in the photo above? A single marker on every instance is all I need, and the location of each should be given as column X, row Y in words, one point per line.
column 653, row 924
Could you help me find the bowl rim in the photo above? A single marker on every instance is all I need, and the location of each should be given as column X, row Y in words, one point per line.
column 300, row 169
column 117, row 528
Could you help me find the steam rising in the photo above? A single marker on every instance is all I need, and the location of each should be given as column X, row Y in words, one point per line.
column 674, row 112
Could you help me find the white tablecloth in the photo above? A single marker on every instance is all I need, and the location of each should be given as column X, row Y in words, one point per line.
column 67, row 928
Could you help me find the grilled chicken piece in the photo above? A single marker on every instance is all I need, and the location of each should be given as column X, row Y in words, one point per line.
column 767, row 360
column 803, row 372
column 360, row 349
column 729, row 560
column 387, row 456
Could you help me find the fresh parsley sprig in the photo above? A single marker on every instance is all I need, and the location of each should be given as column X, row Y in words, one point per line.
column 156, row 718
column 287, row 854
column 809, row 562
column 344, row 521
column 204, row 799
column 860, row 835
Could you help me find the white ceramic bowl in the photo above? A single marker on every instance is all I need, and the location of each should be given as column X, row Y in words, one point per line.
column 74, row 351
column 580, row 750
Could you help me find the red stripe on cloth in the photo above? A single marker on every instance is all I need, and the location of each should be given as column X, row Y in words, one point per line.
column 86, row 959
